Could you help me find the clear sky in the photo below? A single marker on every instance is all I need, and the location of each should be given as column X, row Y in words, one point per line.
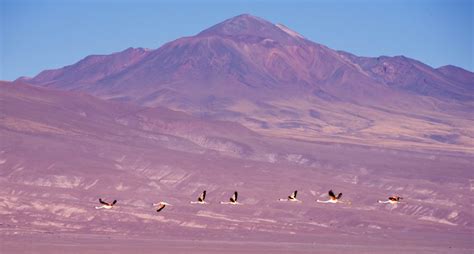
column 43, row 34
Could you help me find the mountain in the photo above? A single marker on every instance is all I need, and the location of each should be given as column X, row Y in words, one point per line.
column 61, row 151
column 411, row 75
column 249, row 54
column 276, row 82
column 243, row 56
column 457, row 74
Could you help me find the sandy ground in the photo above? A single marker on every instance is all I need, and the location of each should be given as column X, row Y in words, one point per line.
column 92, row 244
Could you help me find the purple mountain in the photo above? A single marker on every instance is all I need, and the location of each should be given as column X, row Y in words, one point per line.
column 250, row 55
column 273, row 80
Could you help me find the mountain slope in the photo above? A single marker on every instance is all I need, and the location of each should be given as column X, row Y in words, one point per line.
column 61, row 151
column 414, row 76
column 89, row 70
column 81, row 117
column 458, row 74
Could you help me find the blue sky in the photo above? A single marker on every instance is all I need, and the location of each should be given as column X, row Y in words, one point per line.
column 43, row 34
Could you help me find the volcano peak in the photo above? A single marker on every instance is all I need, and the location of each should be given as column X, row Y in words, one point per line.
column 248, row 25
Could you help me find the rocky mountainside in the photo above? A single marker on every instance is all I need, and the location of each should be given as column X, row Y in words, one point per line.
column 249, row 54
column 276, row 82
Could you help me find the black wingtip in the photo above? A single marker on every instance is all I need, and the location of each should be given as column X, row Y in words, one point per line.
column 159, row 209
column 102, row 202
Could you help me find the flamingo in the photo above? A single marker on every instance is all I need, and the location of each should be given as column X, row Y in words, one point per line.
column 332, row 198
column 292, row 197
column 105, row 205
column 391, row 200
column 161, row 205
column 201, row 199
column 233, row 200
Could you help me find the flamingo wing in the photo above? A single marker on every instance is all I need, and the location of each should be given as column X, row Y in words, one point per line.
column 160, row 208
column 234, row 197
column 331, row 194
column 293, row 195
